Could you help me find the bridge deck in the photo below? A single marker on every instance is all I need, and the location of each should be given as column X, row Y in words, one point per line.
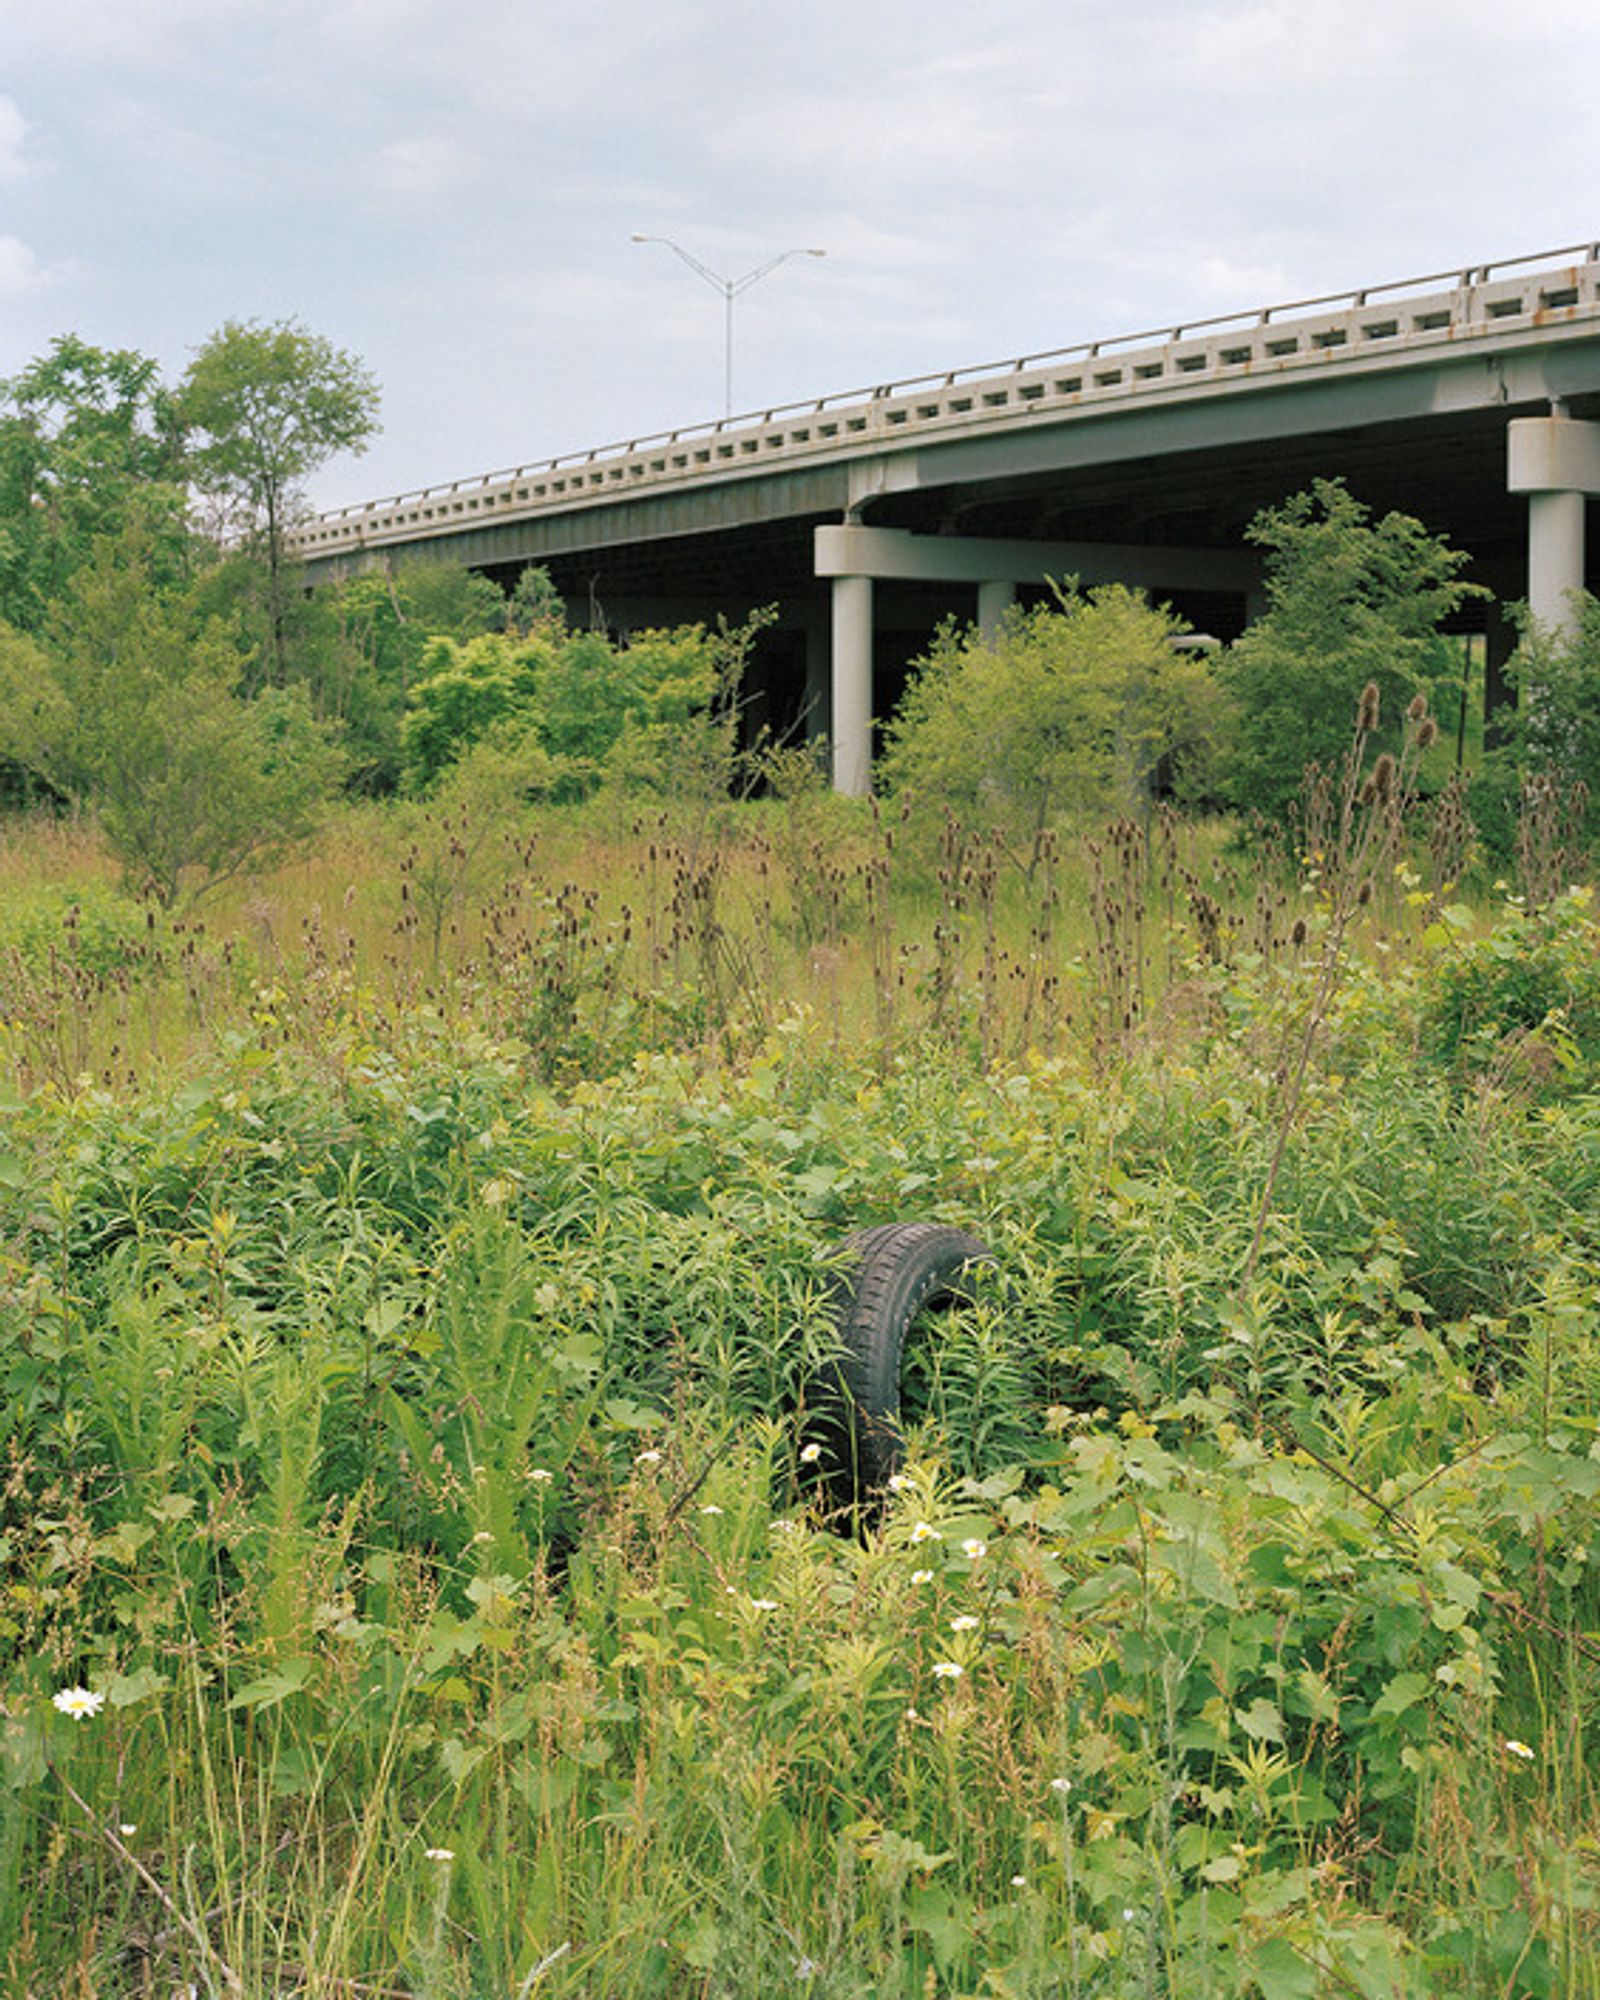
column 1414, row 322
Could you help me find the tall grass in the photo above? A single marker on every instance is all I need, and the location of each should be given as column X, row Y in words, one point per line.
column 405, row 1337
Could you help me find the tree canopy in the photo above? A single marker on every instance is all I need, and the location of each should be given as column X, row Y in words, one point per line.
column 128, row 705
column 1350, row 600
column 87, row 435
column 264, row 407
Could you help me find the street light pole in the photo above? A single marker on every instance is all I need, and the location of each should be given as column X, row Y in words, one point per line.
column 730, row 288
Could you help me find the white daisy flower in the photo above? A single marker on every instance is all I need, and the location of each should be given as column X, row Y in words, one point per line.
column 78, row 1702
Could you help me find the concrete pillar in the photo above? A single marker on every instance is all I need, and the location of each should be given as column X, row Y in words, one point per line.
column 852, row 685
column 994, row 601
column 1555, row 559
column 1555, row 460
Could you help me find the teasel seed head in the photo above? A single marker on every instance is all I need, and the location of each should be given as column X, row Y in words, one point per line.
column 1383, row 775
column 1367, row 713
column 1418, row 707
column 1427, row 733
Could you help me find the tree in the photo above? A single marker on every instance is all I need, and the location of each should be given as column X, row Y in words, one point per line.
column 86, row 434
column 265, row 406
column 1070, row 710
column 582, row 709
column 1350, row 600
column 128, row 706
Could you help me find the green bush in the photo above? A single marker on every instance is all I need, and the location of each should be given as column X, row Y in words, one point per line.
column 1527, row 994
column 91, row 928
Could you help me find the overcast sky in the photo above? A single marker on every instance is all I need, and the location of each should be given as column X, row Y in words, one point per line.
column 449, row 190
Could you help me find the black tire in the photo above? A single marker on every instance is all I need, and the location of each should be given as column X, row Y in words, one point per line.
column 899, row 1272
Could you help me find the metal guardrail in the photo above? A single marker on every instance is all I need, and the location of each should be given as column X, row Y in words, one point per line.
column 1388, row 318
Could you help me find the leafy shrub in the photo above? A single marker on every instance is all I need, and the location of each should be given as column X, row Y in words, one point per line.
column 1069, row 711
column 90, row 927
column 1350, row 601
column 1526, row 994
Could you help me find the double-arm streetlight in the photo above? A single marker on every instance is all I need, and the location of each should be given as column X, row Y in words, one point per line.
column 730, row 288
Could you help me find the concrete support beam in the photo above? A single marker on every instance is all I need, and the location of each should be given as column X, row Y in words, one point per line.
column 1556, row 462
column 849, row 549
column 852, row 685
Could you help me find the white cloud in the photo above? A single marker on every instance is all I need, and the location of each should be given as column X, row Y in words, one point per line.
column 20, row 269
column 13, row 141
column 419, row 169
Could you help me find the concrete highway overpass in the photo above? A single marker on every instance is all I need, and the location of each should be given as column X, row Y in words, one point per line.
column 1469, row 398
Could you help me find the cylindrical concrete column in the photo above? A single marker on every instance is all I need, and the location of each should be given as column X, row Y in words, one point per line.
column 1555, row 460
column 1555, row 560
column 994, row 601
column 852, row 685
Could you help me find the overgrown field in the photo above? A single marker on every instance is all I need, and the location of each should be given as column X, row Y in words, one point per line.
column 411, row 1284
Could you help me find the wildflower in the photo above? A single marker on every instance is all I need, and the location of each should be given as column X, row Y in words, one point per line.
column 711, row 1507
column 973, row 1549
column 1061, row 1786
column 650, row 1457
column 439, row 1854
column 965, row 1623
column 127, row 1829
column 493, row 1193
column 900, row 1482
column 763, row 1604
column 805, row 1968
column 541, row 1475
column 922, row 1576
column 810, row 1453
column 948, row 1670
column 924, row 1531
column 1019, row 1881
column 1513, row 1747
column 78, row 1702
column 912, row 1715
column 1128, row 1915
